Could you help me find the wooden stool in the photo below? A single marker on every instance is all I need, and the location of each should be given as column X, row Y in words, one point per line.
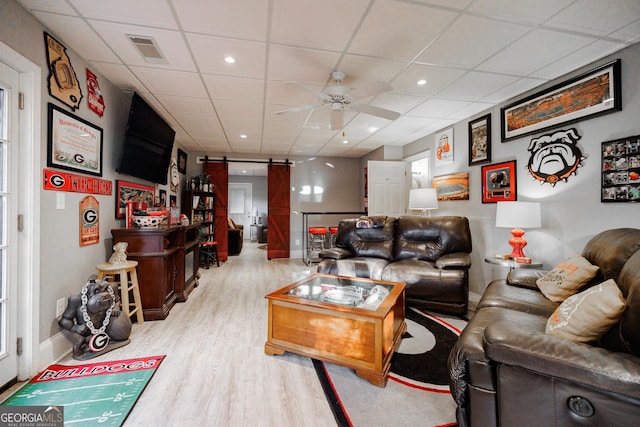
column 209, row 249
column 126, row 277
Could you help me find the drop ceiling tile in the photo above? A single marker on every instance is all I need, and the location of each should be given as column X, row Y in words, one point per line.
column 234, row 88
column 304, row 66
column 470, row 40
column 326, row 24
column 210, row 52
column 55, row 6
column 150, row 13
column 182, row 105
column 471, row 110
column 506, row 92
column 232, row 110
column 362, row 70
column 597, row 16
column 534, row 51
column 475, row 85
column 292, row 95
column 456, row 4
column 526, row 11
column 201, row 126
column 167, row 82
column 577, row 59
column 89, row 46
column 437, row 78
column 407, row 28
column 396, row 102
column 363, row 126
column 170, row 43
column 120, row 76
column 437, row 108
column 630, row 33
column 246, row 19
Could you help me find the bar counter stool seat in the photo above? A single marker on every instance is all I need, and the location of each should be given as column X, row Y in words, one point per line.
column 125, row 276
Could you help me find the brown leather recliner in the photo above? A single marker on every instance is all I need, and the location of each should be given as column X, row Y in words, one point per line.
column 505, row 371
column 236, row 236
column 429, row 254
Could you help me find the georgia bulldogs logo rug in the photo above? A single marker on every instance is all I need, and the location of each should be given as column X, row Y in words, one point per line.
column 555, row 157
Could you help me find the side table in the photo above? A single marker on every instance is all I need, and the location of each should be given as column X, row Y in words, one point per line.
column 511, row 263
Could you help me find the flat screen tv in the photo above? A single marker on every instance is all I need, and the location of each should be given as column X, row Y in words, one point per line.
column 148, row 143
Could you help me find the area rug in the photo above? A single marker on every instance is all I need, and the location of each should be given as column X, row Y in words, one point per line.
column 417, row 392
column 96, row 394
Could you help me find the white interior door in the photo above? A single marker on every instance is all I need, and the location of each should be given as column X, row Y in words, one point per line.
column 8, row 219
column 387, row 182
column 240, row 204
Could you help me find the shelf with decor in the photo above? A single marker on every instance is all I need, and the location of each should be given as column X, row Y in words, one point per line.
column 199, row 207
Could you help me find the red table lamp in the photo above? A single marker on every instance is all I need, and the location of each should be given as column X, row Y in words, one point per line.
column 518, row 215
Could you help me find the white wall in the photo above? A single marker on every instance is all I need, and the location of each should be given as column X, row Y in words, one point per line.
column 571, row 211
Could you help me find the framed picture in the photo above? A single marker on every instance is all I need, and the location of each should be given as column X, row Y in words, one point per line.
column 480, row 140
column 162, row 195
column 499, row 182
column 73, row 143
column 593, row 93
column 173, row 201
column 454, row 186
column 444, row 147
column 621, row 170
column 182, row 161
column 132, row 192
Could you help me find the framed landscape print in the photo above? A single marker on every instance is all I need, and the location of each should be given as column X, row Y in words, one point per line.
column 480, row 140
column 499, row 182
column 621, row 170
column 454, row 186
column 593, row 93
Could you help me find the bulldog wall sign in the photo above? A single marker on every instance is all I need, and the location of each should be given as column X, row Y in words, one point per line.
column 555, row 157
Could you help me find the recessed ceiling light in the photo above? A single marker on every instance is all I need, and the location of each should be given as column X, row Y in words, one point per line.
column 229, row 59
column 372, row 129
column 344, row 141
column 243, row 136
column 244, row 171
column 421, row 82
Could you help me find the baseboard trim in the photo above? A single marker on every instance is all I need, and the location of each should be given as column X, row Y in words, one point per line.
column 53, row 350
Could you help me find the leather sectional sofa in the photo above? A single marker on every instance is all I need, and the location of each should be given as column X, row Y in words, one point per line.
column 506, row 371
column 429, row 254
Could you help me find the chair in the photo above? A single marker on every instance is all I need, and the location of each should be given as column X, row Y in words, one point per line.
column 125, row 277
column 317, row 240
column 236, row 234
column 333, row 234
column 209, row 252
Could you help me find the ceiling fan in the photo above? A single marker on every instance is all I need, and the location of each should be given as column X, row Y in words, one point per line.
column 338, row 98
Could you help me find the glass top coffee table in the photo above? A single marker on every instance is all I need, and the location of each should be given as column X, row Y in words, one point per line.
column 349, row 321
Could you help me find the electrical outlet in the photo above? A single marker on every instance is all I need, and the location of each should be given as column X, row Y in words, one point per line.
column 59, row 200
column 297, row 242
column 60, row 306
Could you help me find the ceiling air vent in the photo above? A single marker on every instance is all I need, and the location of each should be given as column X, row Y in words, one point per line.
column 147, row 47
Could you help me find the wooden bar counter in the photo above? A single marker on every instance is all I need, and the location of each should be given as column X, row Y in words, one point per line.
column 161, row 254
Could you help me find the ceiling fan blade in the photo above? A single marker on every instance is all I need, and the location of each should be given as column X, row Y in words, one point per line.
column 307, row 88
column 336, row 119
column 298, row 109
column 375, row 111
column 372, row 89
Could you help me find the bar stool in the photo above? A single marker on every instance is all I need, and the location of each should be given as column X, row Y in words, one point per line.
column 125, row 276
column 209, row 251
column 317, row 239
column 333, row 234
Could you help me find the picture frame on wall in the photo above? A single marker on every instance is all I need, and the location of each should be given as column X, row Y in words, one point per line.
column 444, row 147
column 73, row 143
column 453, row 186
column 593, row 93
column 499, row 182
column 132, row 192
column 480, row 140
column 182, row 161
column 620, row 170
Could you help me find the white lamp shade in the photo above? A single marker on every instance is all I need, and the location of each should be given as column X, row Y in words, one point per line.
column 518, row 215
column 423, row 198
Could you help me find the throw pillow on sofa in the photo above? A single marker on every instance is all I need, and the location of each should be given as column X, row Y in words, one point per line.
column 567, row 278
column 586, row 316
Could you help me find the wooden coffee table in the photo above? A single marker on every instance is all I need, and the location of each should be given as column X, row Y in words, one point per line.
column 349, row 321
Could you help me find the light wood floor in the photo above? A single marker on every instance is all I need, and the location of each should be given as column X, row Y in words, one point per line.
column 216, row 372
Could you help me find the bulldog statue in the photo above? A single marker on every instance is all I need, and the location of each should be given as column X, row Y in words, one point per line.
column 94, row 318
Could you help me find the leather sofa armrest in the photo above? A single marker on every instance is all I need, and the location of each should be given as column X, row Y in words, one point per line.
column 336, row 253
column 525, row 277
column 575, row 362
column 455, row 260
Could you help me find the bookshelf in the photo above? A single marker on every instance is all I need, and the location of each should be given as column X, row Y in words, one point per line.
column 199, row 207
